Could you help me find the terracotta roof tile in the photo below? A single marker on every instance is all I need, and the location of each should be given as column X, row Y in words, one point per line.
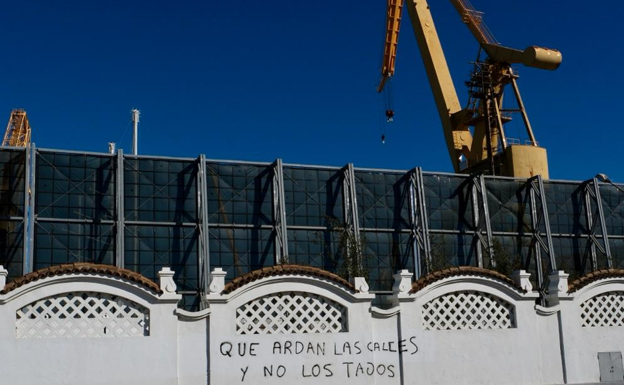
column 461, row 271
column 280, row 270
column 585, row 280
column 81, row 268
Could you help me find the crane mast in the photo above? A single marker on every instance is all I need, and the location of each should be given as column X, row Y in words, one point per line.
column 17, row 133
column 486, row 148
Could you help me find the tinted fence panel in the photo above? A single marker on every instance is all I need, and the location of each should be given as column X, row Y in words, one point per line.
column 11, row 247
column 258, row 213
column 12, row 176
column 613, row 205
column 509, row 205
column 75, row 186
column 384, row 254
column 449, row 202
column 12, row 182
column 313, row 197
column 241, row 250
column 566, row 208
column 160, row 190
column 239, row 193
column 150, row 248
column 382, row 199
column 316, row 248
column 57, row 243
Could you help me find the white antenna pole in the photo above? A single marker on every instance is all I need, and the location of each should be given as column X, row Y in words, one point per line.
column 135, row 137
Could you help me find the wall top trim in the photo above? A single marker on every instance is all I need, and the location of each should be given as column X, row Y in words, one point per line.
column 81, row 268
column 587, row 279
column 462, row 271
column 281, row 270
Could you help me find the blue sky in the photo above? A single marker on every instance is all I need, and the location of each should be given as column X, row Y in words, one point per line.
column 260, row 80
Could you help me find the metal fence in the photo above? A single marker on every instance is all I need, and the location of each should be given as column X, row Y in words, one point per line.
column 142, row 213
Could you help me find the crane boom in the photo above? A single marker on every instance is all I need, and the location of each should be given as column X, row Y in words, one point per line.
column 393, row 25
column 487, row 149
column 457, row 138
column 474, row 21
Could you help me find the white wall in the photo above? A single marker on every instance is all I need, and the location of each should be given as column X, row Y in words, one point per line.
column 77, row 361
column 546, row 345
column 581, row 345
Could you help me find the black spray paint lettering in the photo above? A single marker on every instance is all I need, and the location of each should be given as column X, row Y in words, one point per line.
column 348, row 368
column 315, row 371
column 280, row 371
column 298, row 347
column 368, row 369
column 243, row 349
column 346, row 348
column 414, row 343
column 244, row 372
column 226, row 349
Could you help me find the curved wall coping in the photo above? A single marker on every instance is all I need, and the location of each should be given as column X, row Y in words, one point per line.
column 464, row 271
column 90, row 277
column 614, row 275
column 81, row 269
column 284, row 270
column 461, row 279
column 284, row 278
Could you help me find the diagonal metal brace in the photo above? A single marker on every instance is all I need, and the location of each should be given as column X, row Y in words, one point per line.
column 481, row 220
column 540, row 242
column 419, row 226
column 352, row 222
column 596, row 224
column 279, row 214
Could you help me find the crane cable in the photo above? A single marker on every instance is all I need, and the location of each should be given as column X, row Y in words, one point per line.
column 387, row 102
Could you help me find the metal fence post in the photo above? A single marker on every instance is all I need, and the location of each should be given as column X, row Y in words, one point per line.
column 538, row 217
column 351, row 219
column 279, row 214
column 419, row 225
column 204, row 236
column 29, row 208
column 119, row 211
column 481, row 218
column 591, row 192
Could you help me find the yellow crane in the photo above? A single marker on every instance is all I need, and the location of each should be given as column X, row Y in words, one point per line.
column 17, row 133
column 486, row 148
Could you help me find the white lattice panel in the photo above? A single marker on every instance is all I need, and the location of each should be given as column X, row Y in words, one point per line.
column 606, row 309
column 467, row 310
column 291, row 312
column 82, row 314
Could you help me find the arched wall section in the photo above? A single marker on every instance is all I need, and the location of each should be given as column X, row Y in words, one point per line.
column 74, row 324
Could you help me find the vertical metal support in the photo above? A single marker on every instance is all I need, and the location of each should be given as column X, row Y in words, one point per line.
column 501, row 129
column 204, row 237
column 119, row 211
column 279, row 214
column 350, row 212
column 592, row 193
column 419, row 226
column 481, row 218
column 525, row 117
column 539, row 217
column 29, row 208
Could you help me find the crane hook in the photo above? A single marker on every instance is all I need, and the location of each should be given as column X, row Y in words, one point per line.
column 389, row 115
